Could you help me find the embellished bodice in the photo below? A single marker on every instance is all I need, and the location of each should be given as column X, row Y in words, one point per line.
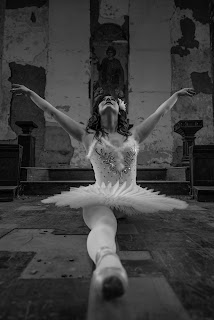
column 112, row 164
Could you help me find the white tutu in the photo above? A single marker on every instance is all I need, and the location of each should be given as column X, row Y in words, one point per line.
column 131, row 200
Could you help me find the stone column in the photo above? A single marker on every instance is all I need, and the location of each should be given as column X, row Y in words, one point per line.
column 150, row 75
column 67, row 78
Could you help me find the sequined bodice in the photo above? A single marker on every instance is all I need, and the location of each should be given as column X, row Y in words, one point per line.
column 111, row 164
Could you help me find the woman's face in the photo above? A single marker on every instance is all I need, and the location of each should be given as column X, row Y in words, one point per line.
column 108, row 103
column 110, row 54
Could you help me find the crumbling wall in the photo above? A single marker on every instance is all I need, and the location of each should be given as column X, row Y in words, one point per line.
column 46, row 46
column 191, row 67
column 169, row 50
column 24, row 61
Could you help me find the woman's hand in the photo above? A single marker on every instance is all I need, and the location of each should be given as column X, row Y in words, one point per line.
column 19, row 89
column 186, row 92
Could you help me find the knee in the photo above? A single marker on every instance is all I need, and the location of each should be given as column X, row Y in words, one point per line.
column 99, row 216
column 106, row 222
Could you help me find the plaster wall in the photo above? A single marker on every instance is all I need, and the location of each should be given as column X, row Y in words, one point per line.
column 53, row 39
column 150, row 75
column 24, row 44
column 169, row 49
column 2, row 15
column 67, row 78
column 191, row 67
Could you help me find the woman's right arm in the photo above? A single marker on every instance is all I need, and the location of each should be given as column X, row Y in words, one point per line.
column 72, row 127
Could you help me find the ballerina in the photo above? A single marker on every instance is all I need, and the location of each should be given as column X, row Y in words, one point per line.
column 112, row 149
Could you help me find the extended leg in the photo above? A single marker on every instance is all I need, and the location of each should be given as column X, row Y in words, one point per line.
column 110, row 277
column 103, row 225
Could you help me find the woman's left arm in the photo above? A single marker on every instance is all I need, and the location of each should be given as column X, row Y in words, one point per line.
column 142, row 130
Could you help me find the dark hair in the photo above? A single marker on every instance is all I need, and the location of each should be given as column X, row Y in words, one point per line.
column 112, row 49
column 94, row 122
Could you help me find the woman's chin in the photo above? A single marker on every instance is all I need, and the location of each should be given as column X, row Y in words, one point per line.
column 108, row 109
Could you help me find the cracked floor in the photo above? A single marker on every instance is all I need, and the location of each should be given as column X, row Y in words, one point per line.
column 45, row 271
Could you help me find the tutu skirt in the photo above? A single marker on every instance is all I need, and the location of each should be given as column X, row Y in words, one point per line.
column 131, row 200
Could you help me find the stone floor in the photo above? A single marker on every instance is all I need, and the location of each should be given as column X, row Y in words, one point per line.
column 45, row 271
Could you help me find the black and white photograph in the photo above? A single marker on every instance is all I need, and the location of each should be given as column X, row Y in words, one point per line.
column 106, row 160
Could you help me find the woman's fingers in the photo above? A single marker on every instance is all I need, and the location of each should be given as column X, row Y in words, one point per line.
column 191, row 91
column 17, row 91
column 188, row 91
column 15, row 85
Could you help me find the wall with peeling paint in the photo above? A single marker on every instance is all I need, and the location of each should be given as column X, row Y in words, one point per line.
column 169, row 50
column 24, row 61
column 191, row 66
column 46, row 47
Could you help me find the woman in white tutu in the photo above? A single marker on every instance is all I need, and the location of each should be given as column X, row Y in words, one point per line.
column 112, row 149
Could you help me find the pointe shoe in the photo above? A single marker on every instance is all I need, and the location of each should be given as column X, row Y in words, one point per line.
column 110, row 282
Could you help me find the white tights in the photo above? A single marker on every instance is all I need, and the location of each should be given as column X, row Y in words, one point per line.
column 103, row 225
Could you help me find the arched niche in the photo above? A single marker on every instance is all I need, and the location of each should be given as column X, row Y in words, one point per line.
column 109, row 48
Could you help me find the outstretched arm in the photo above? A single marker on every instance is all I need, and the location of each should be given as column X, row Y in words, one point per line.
column 142, row 130
column 72, row 127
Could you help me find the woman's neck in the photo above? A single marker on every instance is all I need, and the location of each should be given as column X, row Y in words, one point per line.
column 109, row 123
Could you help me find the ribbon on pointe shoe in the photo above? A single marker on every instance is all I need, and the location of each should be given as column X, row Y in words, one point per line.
column 102, row 252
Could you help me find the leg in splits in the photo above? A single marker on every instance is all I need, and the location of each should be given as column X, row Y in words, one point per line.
column 110, row 275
